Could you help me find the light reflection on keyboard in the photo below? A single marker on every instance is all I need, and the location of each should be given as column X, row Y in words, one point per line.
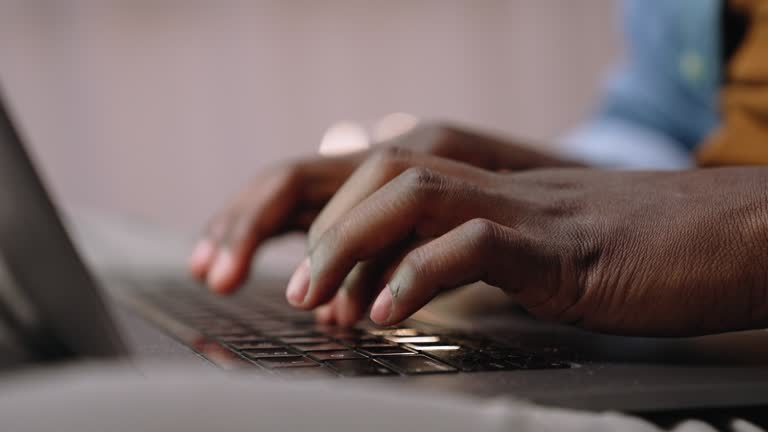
column 285, row 342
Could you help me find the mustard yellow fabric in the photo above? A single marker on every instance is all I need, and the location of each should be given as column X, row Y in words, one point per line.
column 743, row 137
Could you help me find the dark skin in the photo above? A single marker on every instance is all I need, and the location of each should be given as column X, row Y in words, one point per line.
column 639, row 253
column 290, row 196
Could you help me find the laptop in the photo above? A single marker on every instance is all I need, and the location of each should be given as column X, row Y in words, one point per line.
column 52, row 309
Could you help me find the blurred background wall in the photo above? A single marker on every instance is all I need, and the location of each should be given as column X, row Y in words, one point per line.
column 162, row 109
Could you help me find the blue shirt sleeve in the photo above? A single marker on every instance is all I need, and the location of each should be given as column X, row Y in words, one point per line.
column 662, row 102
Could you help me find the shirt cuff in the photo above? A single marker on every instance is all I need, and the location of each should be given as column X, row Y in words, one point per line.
column 620, row 144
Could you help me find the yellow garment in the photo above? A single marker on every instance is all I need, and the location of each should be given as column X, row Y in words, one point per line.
column 743, row 138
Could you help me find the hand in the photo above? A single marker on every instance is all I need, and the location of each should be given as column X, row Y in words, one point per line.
column 620, row 252
column 290, row 196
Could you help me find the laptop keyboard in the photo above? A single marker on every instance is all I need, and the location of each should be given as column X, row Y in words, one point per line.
column 237, row 334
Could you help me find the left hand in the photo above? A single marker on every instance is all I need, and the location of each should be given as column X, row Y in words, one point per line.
column 619, row 252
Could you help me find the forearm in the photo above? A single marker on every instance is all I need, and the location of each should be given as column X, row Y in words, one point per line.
column 713, row 249
column 746, row 270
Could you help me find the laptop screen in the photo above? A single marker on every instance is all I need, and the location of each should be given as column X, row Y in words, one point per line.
column 48, row 296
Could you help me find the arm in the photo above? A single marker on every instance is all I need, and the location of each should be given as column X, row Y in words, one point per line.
column 641, row 253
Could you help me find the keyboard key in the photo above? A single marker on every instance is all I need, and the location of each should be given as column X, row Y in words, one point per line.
column 413, row 339
column 363, row 340
column 305, row 340
column 395, row 332
column 381, row 345
column 471, row 361
column 267, row 329
column 540, row 363
column 518, row 358
column 227, row 331
column 338, row 328
column 386, row 350
column 331, row 346
column 350, row 334
column 287, row 362
column 268, row 353
column 433, row 347
column 255, row 345
column 358, row 367
column 335, row 355
column 291, row 332
column 416, row 365
column 241, row 338
column 509, row 356
column 474, row 342
column 219, row 355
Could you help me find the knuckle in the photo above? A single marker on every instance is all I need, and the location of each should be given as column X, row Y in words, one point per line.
column 483, row 229
column 389, row 158
column 422, row 179
column 394, row 153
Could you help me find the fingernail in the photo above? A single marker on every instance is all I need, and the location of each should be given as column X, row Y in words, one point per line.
column 221, row 270
column 202, row 255
column 382, row 307
column 299, row 284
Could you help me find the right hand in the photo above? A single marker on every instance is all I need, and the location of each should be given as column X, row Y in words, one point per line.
column 290, row 196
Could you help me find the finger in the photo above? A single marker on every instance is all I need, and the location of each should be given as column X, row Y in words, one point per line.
column 359, row 289
column 204, row 253
column 365, row 282
column 325, row 314
column 478, row 250
column 255, row 222
column 323, row 176
column 418, row 201
column 269, row 207
column 349, row 304
column 201, row 258
column 383, row 166
column 356, row 292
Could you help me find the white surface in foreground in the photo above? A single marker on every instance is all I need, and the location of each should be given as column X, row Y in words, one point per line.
column 103, row 398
